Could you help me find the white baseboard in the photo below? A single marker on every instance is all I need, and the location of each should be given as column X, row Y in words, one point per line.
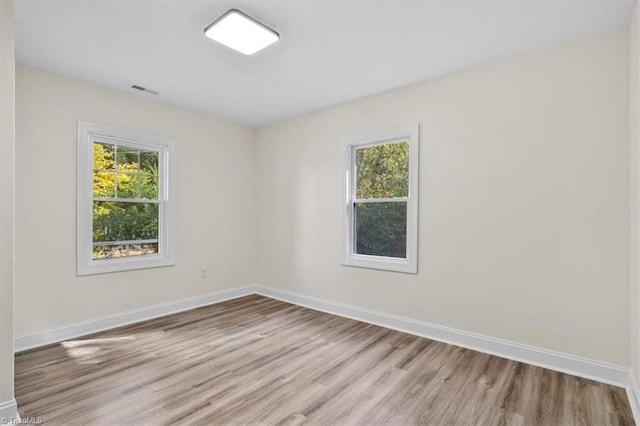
column 9, row 412
column 577, row 366
column 633, row 394
column 29, row 341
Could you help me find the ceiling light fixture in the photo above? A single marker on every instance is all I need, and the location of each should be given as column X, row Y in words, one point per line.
column 241, row 32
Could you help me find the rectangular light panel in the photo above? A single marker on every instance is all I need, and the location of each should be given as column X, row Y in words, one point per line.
column 240, row 32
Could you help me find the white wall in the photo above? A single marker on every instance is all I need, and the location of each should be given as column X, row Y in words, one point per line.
column 634, row 190
column 7, row 114
column 215, row 207
column 524, row 208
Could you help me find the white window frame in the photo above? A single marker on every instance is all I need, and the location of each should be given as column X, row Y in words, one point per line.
column 88, row 133
column 350, row 258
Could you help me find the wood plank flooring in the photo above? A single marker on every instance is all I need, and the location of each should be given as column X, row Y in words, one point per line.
column 255, row 360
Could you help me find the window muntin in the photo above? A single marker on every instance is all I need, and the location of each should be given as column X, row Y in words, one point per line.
column 381, row 201
column 125, row 213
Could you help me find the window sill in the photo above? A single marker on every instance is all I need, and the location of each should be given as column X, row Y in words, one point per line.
column 119, row 265
column 381, row 263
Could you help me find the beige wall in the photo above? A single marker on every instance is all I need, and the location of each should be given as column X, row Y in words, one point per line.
column 523, row 201
column 7, row 71
column 634, row 190
column 215, row 207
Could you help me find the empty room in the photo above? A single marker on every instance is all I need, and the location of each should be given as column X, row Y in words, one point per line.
column 320, row 212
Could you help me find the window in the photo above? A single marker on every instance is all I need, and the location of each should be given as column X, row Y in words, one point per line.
column 381, row 211
column 125, row 217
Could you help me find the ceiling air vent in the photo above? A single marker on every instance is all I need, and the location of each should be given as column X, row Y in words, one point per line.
column 143, row 89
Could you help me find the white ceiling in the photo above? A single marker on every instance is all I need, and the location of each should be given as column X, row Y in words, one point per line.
column 329, row 51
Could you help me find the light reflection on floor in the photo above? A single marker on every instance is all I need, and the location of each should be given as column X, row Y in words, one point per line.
column 91, row 351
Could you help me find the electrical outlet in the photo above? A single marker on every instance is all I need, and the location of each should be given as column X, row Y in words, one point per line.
column 203, row 272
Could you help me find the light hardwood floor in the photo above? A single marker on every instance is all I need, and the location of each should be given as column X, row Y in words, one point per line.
column 255, row 360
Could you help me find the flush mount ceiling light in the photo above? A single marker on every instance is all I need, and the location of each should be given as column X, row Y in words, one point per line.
column 240, row 32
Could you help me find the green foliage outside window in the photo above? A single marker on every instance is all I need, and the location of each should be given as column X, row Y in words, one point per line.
column 382, row 171
column 124, row 173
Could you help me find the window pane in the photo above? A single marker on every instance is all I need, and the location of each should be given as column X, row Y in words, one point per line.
column 149, row 175
column 104, row 183
column 382, row 171
column 124, row 250
column 124, row 221
column 381, row 229
column 128, row 184
column 103, row 156
column 148, row 185
column 128, row 166
column 149, row 161
column 128, row 156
